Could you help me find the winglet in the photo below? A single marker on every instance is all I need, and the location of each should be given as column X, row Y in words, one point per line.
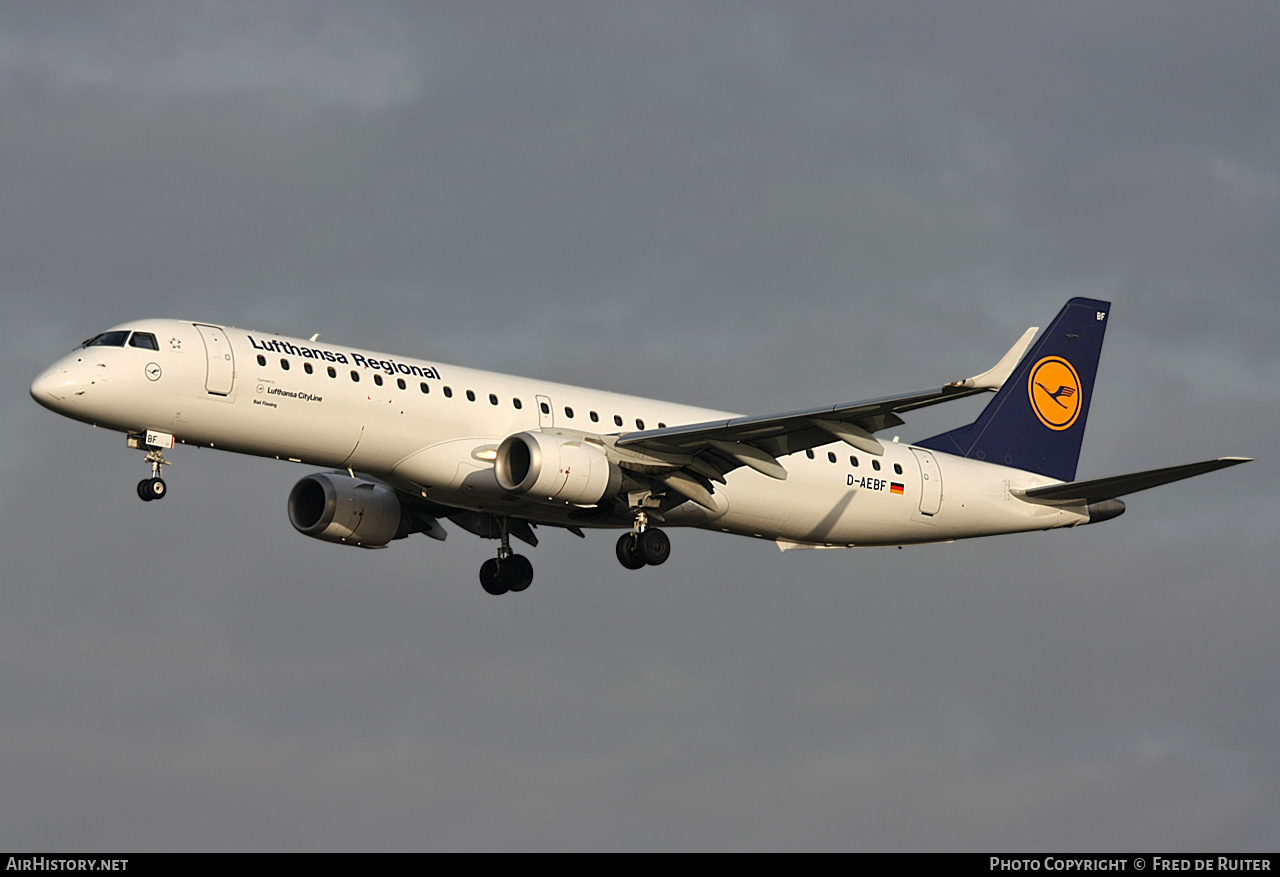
column 994, row 378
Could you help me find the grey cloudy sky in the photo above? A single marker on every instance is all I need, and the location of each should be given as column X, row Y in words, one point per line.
column 749, row 206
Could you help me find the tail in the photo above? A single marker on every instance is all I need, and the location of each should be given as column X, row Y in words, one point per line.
column 1036, row 420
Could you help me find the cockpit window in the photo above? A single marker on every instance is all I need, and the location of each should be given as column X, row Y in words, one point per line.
column 107, row 339
column 145, row 340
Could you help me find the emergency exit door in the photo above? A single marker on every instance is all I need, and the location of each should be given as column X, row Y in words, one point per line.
column 930, row 482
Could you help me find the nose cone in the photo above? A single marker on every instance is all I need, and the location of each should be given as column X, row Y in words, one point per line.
column 45, row 389
column 52, row 388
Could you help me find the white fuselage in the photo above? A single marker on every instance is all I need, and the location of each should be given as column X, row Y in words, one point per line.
column 433, row 429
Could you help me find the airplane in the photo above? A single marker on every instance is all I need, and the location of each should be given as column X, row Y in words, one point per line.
column 408, row 443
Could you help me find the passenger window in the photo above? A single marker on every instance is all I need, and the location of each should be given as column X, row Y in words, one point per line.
column 145, row 340
column 897, row 469
column 831, row 457
column 661, row 425
column 809, row 453
column 875, row 464
column 595, row 418
column 332, row 372
column 853, row 461
column 424, row 388
column 617, row 420
column 493, row 400
column 400, row 383
column 639, row 423
column 377, row 379
column 262, row 360
column 544, row 407
column 568, row 412
column 355, row 376
column 471, row 395
column 517, row 404
column 448, row 392
column 284, row 364
column 306, row 367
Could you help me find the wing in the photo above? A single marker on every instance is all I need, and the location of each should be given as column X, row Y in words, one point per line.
column 715, row 448
column 424, row 516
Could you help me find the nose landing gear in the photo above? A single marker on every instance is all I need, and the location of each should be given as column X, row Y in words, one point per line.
column 153, row 487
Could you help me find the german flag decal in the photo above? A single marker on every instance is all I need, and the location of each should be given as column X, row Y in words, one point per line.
column 895, row 487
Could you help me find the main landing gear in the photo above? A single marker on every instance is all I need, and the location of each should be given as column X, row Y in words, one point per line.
column 507, row 571
column 644, row 545
column 153, row 487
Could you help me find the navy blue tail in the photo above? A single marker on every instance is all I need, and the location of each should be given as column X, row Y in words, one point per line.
column 1036, row 421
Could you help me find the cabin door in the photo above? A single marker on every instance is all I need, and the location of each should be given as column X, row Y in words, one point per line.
column 220, row 376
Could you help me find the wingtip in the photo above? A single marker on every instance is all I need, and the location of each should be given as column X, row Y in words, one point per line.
column 994, row 378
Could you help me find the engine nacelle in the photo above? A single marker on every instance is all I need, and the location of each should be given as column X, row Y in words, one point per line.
column 345, row 510
column 556, row 468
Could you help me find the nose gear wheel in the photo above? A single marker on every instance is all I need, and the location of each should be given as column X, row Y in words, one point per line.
column 153, row 487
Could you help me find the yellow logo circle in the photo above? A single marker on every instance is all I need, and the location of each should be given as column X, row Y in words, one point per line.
column 1054, row 389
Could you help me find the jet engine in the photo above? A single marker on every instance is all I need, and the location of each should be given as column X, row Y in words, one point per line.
column 346, row 510
column 556, row 468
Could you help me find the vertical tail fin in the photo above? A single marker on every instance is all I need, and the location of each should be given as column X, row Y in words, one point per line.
column 1036, row 420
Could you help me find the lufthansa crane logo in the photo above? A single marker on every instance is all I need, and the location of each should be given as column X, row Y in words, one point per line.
column 1054, row 389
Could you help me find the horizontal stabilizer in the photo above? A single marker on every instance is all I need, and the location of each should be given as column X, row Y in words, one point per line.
column 1099, row 489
